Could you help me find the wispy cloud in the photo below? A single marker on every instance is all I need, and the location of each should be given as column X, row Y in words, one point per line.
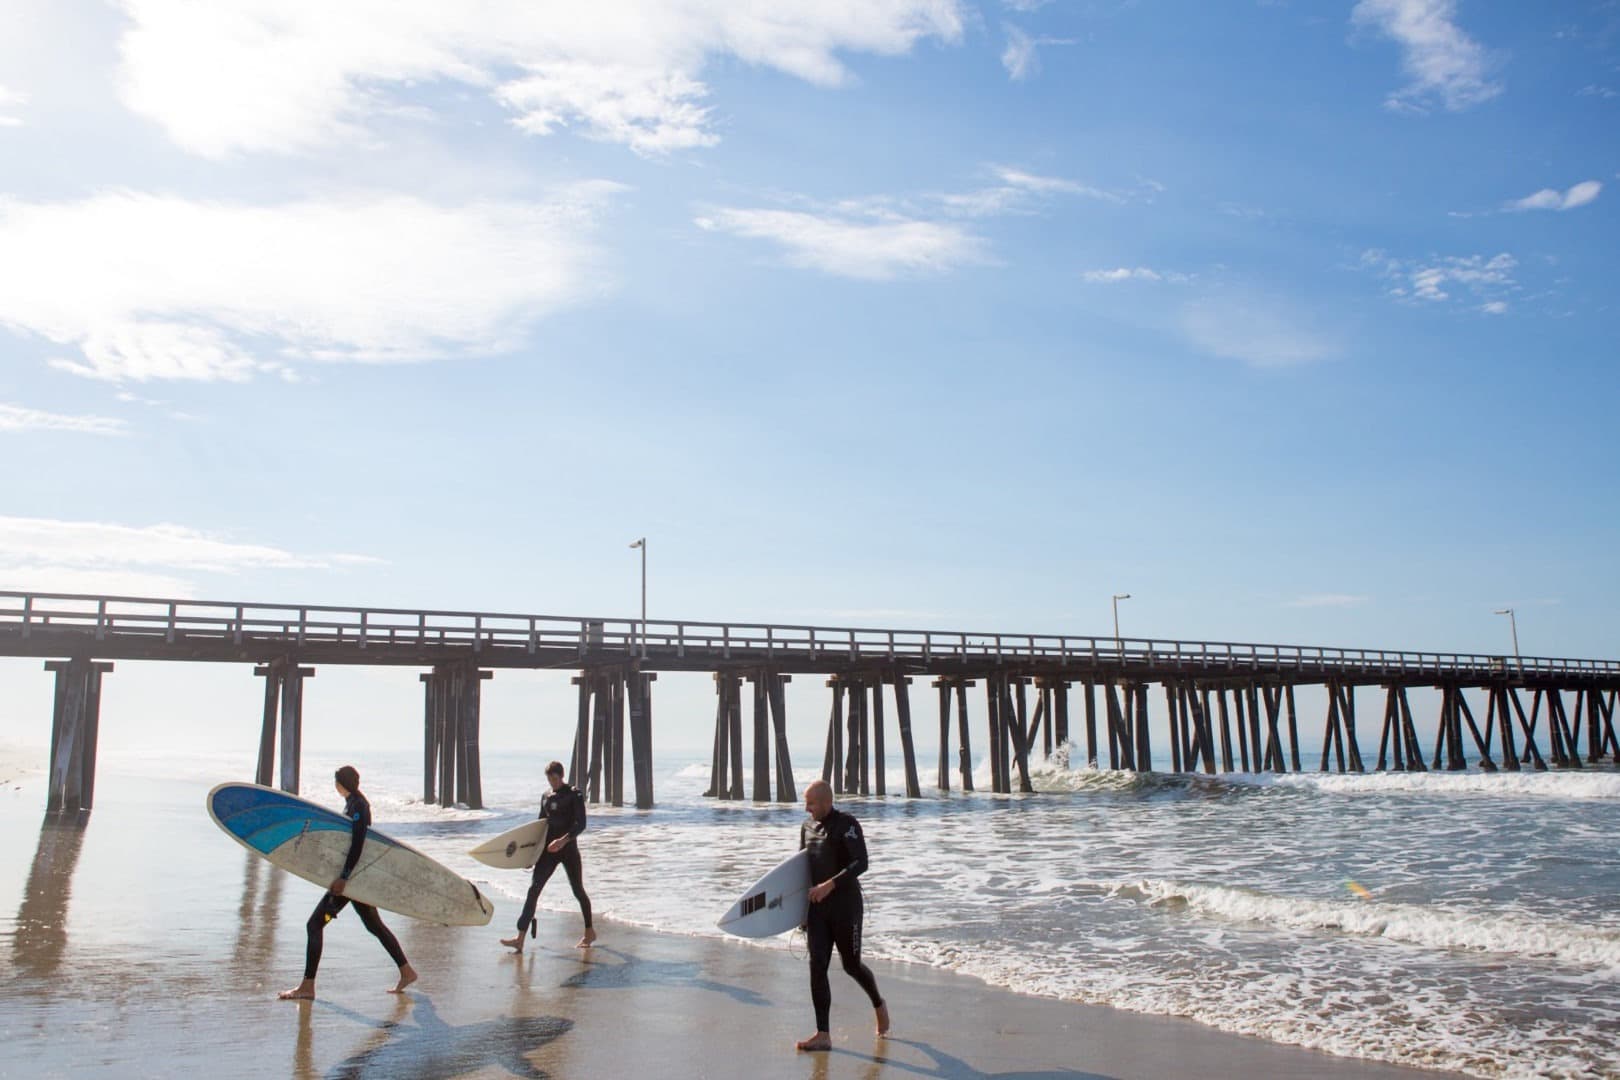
column 147, row 287
column 1551, row 199
column 1594, row 90
column 269, row 76
column 86, row 556
column 869, row 249
column 1018, row 191
column 10, row 100
column 1259, row 331
column 1486, row 282
column 1321, row 600
column 1022, row 57
column 20, row 418
column 1122, row 274
column 1442, row 63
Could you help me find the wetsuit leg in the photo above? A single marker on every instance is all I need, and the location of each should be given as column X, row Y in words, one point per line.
column 846, row 935
column 542, row 873
column 576, row 880
column 373, row 922
column 325, row 911
column 819, row 936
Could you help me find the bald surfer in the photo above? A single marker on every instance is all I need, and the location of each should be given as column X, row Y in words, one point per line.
column 837, row 859
column 358, row 811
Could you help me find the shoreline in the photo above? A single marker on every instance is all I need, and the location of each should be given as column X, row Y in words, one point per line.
column 148, row 945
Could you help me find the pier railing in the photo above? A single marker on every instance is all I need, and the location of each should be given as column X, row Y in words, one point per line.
column 118, row 624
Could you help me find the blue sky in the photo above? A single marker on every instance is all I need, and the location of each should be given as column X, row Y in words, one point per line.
column 1293, row 320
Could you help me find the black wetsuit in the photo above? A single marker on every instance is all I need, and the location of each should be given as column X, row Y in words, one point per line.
column 837, row 850
column 564, row 811
column 358, row 811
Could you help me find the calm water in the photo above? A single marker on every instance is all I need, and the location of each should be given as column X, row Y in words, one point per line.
column 1488, row 941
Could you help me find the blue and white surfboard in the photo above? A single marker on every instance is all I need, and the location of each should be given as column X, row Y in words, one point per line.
column 307, row 839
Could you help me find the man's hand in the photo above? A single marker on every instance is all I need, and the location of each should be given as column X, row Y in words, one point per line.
column 558, row 844
column 337, row 887
column 818, row 893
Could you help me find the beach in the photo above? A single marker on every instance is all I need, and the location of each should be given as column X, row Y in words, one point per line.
column 1111, row 925
column 121, row 962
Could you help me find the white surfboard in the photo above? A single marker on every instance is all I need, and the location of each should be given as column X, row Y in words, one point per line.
column 308, row 840
column 775, row 904
column 515, row 849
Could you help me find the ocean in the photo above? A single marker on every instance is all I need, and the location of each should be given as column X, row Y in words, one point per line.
column 1460, row 921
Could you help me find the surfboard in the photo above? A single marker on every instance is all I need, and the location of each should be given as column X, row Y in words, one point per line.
column 774, row 904
column 308, row 840
column 515, row 849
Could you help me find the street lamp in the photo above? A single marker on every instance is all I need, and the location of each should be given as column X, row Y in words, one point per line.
column 1513, row 621
column 642, row 544
column 1117, row 598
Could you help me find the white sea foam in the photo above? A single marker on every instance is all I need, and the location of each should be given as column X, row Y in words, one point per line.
column 1426, row 925
column 1571, row 784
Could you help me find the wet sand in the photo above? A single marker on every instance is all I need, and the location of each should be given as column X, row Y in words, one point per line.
column 131, row 955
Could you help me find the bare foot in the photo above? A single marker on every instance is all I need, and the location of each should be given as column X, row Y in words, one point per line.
column 407, row 975
column 883, row 1019
column 585, row 942
column 819, row 1041
column 304, row 991
column 513, row 943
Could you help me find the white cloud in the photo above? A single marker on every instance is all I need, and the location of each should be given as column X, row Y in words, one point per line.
column 1551, row 199
column 149, row 287
column 296, row 75
column 1258, row 331
column 873, row 250
column 9, row 101
column 1441, row 61
column 20, row 418
column 1484, row 280
column 1130, row 273
column 1594, row 90
column 1021, row 57
column 85, row 556
column 1320, row 600
column 1017, row 191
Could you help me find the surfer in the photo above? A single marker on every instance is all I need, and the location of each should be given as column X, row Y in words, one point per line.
column 358, row 811
column 564, row 811
column 837, row 858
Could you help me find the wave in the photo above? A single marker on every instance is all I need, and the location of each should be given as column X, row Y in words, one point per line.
column 1506, row 934
column 1584, row 784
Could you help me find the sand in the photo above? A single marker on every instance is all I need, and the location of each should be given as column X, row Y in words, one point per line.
column 110, row 968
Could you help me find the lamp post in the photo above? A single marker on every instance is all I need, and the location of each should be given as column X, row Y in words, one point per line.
column 1118, row 647
column 642, row 544
column 1513, row 621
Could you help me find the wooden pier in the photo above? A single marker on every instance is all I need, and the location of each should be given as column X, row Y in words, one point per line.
column 1226, row 707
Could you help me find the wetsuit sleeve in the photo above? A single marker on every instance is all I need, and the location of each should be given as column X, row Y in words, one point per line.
column 854, row 849
column 357, row 840
column 578, row 824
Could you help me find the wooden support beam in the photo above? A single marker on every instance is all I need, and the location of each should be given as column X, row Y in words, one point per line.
column 992, row 700
column 1226, row 730
column 762, row 738
column 786, row 790
column 1333, row 735
column 264, row 774
column 1020, row 748
column 1060, row 702
column 902, row 710
column 1242, row 723
column 1091, row 723
column 964, row 735
column 1531, row 750
column 943, row 780
column 75, row 729
column 734, row 733
column 579, row 756
column 880, row 757
column 292, row 723
column 1121, row 752
column 1144, row 737
column 1386, row 731
column 1485, row 762
column 616, row 688
column 832, row 765
column 641, row 741
column 1173, row 716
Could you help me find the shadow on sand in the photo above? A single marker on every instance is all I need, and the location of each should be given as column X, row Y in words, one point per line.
column 941, row 1066
column 632, row 972
column 426, row 1047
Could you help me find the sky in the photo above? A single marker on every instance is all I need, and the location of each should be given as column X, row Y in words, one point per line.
column 1295, row 321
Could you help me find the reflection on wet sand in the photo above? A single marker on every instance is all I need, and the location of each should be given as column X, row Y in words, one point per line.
column 41, row 936
column 258, row 913
column 429, row 1047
